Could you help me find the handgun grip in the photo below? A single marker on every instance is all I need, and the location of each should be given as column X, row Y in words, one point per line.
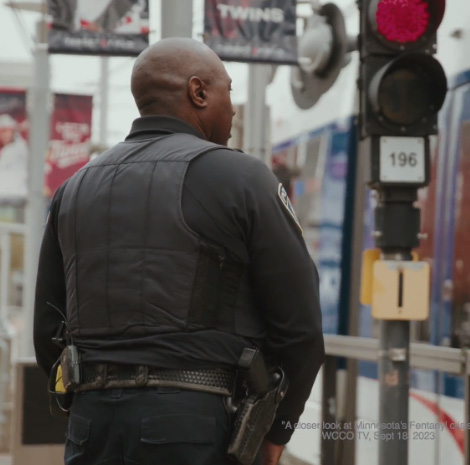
column 253, row 367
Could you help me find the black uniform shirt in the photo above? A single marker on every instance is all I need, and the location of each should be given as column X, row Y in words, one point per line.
column 234, row 200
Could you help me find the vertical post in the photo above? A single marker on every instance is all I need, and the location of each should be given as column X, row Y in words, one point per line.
column 395, row 207
column 467, row 408
column 5, row 261
column 104, row 98
column 177, row 18
column 328, row 410
column 348, row 448
column 394, row 366
column 255, row 117
column 39, row 118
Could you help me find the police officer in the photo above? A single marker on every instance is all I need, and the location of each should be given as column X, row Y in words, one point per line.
column 170, row 254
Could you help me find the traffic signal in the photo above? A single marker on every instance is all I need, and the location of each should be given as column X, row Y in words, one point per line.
column 322, row 51
column 402, row 85
column 394, row 26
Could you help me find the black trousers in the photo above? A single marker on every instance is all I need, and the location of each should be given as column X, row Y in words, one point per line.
column 147, row 426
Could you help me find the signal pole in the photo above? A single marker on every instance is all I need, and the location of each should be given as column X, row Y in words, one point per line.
column 39, row 106
column 402, row 88
column 256, row 119
column 394, row 336
column 176, row 18
column 104, row 102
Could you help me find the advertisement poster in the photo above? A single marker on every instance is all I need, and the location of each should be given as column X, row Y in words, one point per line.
column 252, row 30
column 13, row 144
column 98, row 27
column 69, row 147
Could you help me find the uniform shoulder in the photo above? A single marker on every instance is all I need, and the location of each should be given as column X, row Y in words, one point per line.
column 233, row 163
column 226, row 172
column 238, row 155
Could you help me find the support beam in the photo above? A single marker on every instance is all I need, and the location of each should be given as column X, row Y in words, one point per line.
column 177, row 18
column 104, row 102
column 256, row 117
column 36, row 208
column 328, row 449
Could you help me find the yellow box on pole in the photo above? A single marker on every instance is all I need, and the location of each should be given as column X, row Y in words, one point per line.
column 369, row 257
column 400, row 290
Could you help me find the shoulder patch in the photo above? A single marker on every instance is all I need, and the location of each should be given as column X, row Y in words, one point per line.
column 287, row 204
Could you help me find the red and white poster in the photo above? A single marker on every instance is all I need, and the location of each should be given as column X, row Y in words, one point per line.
column 13, row 144
column 69, row 147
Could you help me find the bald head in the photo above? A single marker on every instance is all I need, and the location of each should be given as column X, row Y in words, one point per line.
column 184, row 78
column 161, row 73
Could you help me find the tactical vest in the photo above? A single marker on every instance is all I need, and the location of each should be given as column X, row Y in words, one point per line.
column 133, row 267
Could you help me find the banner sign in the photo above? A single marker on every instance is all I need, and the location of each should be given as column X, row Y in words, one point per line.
column 13, row 144
column 98, row 27
column 69, row 147
column 252, row 30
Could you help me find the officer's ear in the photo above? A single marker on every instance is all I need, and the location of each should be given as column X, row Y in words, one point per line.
column 197, row 91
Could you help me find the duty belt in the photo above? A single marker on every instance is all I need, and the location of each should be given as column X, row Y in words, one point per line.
column 108, row 376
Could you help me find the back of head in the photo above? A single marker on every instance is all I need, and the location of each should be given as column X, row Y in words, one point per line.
column 185, row 79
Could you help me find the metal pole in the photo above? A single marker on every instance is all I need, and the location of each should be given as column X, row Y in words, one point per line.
column 5, row 344
column 255, row 115
column 348, row 448
column 177, row 18
column 394, row 367
column 394, row 204
column 5, row 260
column 104, row 98
column 467, row 414
column 36, row 206
column 328, row 453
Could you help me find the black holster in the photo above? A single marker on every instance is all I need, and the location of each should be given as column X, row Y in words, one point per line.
column 70, row 364
column 255, row 412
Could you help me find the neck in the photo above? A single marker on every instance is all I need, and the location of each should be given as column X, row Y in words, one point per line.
column 188, row 117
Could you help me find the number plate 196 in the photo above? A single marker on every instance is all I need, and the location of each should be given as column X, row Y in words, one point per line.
column 402, row 159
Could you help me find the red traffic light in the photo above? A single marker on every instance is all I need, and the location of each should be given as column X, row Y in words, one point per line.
column 405, row 24
column 402, row 21
column 402, row 85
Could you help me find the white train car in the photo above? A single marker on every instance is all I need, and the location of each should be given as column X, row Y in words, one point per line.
column 321, row 143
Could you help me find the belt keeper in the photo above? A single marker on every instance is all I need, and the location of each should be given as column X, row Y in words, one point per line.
column 141, row 375
column 101, row 378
